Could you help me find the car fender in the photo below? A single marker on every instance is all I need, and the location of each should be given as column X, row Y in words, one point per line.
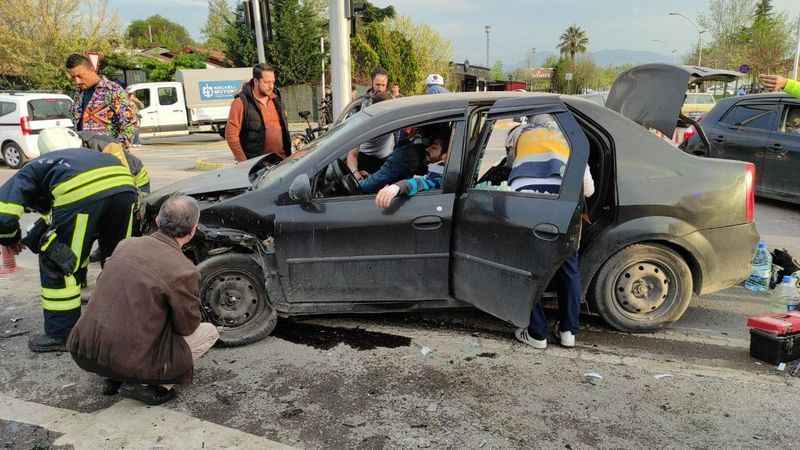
column 669, row 231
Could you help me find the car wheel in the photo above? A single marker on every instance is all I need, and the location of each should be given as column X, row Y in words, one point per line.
column 234, row 298
column 643, row 288
column 13, row 155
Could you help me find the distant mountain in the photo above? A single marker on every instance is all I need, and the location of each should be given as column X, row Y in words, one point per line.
column 602, row 58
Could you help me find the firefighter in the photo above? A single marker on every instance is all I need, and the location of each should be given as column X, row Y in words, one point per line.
column 84, row 196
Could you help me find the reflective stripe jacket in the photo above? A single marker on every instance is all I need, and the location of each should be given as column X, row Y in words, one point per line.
column 56, row 180
column 792, row 88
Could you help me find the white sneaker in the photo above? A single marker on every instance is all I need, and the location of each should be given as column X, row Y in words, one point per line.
column 523, row 336
column 567, row 339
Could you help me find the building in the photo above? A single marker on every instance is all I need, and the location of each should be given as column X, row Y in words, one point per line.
column 465, row 77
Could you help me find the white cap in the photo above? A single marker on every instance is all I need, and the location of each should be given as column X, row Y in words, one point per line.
column 434, row 78
column 52, row 139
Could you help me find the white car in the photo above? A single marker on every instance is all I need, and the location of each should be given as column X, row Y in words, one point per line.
column 22, row 116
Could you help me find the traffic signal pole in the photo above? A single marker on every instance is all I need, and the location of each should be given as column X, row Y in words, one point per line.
column 259, row 31
column 340, row 54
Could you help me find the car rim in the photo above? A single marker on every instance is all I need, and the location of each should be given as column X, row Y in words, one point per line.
column 231, row 299
column 12, row 156
column 644, row 290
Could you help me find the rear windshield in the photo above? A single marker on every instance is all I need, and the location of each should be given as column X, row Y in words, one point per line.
column 695, row 99
column 49, row 109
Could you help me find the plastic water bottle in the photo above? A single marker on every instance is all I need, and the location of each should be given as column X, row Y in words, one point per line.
column 762, row 270
column 785, row 295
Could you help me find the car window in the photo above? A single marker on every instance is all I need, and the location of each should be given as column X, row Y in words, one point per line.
column 791, row 122
column 698, row 99
column 7, row 108
column 144, row 96
column 167, row 96
column 49, row 109
column 760, row 117
column 526, row 155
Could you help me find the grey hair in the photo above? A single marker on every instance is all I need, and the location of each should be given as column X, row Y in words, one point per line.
column 178, row 215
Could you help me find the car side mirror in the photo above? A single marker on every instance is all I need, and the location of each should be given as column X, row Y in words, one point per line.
column 300, row 189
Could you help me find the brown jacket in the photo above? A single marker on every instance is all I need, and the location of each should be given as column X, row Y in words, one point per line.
column 146, row 299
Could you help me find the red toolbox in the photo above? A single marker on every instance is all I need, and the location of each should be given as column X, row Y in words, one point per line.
column 775, row 338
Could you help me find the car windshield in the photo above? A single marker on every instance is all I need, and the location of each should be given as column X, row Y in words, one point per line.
column 298, row 155
column 49, row 109
column 699, row 99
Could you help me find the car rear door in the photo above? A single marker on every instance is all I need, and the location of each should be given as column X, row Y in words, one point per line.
column 507, row 245
column 744, row 133
column 782, row 158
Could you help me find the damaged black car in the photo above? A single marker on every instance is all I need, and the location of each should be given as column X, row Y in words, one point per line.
column 299, row 238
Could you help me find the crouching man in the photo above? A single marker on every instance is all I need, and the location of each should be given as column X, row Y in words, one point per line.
column 142, row 329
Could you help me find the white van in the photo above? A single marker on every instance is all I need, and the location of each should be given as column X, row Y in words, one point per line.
column 198, row 102
column 22, row 116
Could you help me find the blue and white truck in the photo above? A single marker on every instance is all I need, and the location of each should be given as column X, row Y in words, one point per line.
column 197, row 102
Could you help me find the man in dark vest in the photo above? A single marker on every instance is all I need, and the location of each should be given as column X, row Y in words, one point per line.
column 257, row 121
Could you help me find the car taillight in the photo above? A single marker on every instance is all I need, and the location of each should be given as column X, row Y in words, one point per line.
column 689, row 133
column 25, row 125
column 750, row 192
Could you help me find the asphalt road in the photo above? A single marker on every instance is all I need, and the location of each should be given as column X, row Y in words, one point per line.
column 438, row 380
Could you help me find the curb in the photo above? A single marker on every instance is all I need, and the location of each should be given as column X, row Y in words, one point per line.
column 202, row 164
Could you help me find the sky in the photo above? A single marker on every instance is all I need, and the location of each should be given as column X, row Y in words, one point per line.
column 516, row 25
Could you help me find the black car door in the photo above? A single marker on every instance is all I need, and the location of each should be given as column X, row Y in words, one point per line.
column 743, row 133
column 507, row 245
column 783, row 154
column 346, row 249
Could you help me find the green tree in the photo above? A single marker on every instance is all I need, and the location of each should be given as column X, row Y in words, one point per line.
column 763, row 10
column 369, row 13
column 239, row 41
column 378, row 45
column 295, row 51
column 219, row 15
column 573, row 41
column 431, row 52
column 164, row 32
column 497, row 72
column 36, row 36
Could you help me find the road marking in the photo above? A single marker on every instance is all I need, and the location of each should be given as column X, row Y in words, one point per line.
column 129, row 424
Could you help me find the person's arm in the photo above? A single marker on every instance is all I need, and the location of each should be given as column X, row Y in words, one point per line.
column 233, row 128
column 75, row 109
column 352, row 163
column 12, row 195
column 588, row 183
column 184, row 301
column 123, row 119
column 410, row 188
column 778, row 83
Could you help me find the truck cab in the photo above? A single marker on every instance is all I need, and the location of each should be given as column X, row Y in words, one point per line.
column 164, row 109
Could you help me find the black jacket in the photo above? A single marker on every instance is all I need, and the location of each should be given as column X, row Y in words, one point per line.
column 253, row 132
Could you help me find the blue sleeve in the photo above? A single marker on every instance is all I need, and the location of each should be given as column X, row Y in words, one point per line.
column 13, row 199
column 418, row 184
column 394, row 169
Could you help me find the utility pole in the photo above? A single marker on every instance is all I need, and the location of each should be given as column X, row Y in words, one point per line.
column 322, row 52
column 488, row 30
column 797, row 53
column 340, row 55
column 699, row 37
column 259, row 31
column 533, row 58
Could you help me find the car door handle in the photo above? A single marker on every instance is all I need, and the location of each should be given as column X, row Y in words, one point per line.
column 177, row 110
column 546, row 231
column 776, row 147
column 427, row 223
column 718, row 138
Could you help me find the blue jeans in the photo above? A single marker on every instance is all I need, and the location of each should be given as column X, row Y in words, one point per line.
column 568, row 285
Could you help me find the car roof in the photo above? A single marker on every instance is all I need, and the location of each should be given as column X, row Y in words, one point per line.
column 31, row 95
column 766, row 96
column 437, row 102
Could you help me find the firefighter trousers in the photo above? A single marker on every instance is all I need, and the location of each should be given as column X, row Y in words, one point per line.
column 108, row 220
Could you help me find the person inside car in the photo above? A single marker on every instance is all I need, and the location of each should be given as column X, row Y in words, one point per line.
column 793, row 123
column 437, row 159
column 538, row 157
column 409, row 158
column 371, row 155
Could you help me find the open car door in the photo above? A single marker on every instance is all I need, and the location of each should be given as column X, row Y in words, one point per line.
column 508, row 245
column 652, row 94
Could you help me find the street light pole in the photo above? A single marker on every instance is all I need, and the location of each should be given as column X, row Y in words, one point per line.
column 259, row 31
column 488, row 30
column 699, row 37
column 797, row 54
column 340, row 55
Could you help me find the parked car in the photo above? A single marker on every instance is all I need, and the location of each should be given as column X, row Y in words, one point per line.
column 198, row 102
column 22, row 116
column 298, row 238
column 762, row 129
column 697, row 104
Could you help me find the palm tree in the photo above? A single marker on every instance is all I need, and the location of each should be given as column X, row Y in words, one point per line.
column 573, row 41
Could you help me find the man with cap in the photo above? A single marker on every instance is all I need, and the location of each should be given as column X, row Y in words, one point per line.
column 83, row 196
column 434, row 84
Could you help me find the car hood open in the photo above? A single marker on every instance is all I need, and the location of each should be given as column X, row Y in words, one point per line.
column 652, row 94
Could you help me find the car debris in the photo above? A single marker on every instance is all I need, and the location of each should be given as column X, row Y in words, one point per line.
column 661, row 376
column 592, row 378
